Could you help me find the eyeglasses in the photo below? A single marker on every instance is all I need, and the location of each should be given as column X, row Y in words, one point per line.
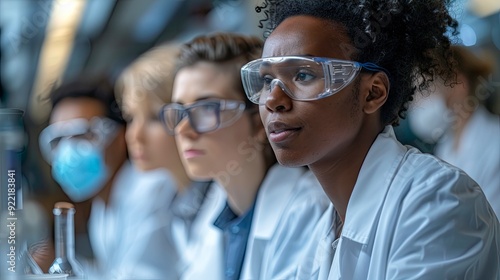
column 96, row 131
column 204, row 116
column 302, row 78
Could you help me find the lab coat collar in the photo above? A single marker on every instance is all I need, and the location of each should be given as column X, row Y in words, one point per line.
column 271, row 200
column 374, row 181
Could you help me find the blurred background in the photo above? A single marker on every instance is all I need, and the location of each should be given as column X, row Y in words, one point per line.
column 48, row 41
column 44, row 42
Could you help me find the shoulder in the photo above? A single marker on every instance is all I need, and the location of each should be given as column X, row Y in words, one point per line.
column 428, row 188
column 425, row 177
column 425, row 172
column 436, row 209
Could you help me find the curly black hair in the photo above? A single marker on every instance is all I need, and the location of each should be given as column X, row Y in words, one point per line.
column 406, row 37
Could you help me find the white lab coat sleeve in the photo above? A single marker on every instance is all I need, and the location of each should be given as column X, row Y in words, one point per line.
column 150, row 257
column 156, row 260
column 286, row 250
column 464, row 245
column 129, row 235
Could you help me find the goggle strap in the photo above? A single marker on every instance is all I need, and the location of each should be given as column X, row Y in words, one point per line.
column 373, row 67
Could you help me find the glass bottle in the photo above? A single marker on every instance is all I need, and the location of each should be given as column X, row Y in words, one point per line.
column 65, row 261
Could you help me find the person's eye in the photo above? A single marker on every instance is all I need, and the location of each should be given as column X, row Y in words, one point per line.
column 304, row 77
column 154, row 118
column 266, row 80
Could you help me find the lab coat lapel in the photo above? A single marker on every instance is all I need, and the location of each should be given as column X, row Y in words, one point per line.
column 205, row 252
column 367, row 198
column 374, row 179
column 322, row 250
column 272, row 198
column 271, row 201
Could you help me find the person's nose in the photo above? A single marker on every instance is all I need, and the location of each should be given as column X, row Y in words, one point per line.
column 277, row 99
column 135, row 131
column 185, row 129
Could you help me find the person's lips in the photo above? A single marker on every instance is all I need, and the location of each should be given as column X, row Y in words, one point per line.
column 138, row 155
column 280, row 132
column 193, row 153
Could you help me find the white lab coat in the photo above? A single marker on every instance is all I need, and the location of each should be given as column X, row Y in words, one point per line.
column 478, row 153
column 288, row 207
column 202, row 257
column 410, row 216
column 124, row 235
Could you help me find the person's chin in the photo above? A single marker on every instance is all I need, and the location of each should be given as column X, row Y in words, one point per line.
column 198, row 174
column 289, row 158
column 142, row 165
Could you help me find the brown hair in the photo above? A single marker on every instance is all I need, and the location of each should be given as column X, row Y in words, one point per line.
column 471, row 66
column 228, row 50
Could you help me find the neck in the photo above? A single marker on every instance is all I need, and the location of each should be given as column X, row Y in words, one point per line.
column 338, row 173
column 181, row 178
column 242, row 187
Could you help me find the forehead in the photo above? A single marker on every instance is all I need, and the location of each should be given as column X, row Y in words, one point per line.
column 205, row 80
column 139, row 82
column 140, row 100
column 308, row 35
column 80, row 107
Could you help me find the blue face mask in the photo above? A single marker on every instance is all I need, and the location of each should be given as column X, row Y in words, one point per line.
column 79, row 167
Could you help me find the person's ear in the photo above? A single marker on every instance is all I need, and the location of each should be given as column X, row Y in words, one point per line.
column 377, row 92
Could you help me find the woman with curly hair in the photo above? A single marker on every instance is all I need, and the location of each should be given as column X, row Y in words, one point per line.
column 334, row 78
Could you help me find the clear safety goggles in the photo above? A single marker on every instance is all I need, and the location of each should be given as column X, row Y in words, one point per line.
column 204, row 116
column 303, row 78
column 97, row 131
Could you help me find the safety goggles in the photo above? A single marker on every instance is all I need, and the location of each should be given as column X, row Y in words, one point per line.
column 96, row 131
column 204, row 116
column 302, row 78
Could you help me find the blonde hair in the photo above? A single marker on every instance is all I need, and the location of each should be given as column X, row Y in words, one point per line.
column 150, row 73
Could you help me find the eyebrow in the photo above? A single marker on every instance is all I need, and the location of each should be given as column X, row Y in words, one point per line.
column 207, row 96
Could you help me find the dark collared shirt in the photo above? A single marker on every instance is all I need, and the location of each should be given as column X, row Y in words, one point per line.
column 236, row 230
